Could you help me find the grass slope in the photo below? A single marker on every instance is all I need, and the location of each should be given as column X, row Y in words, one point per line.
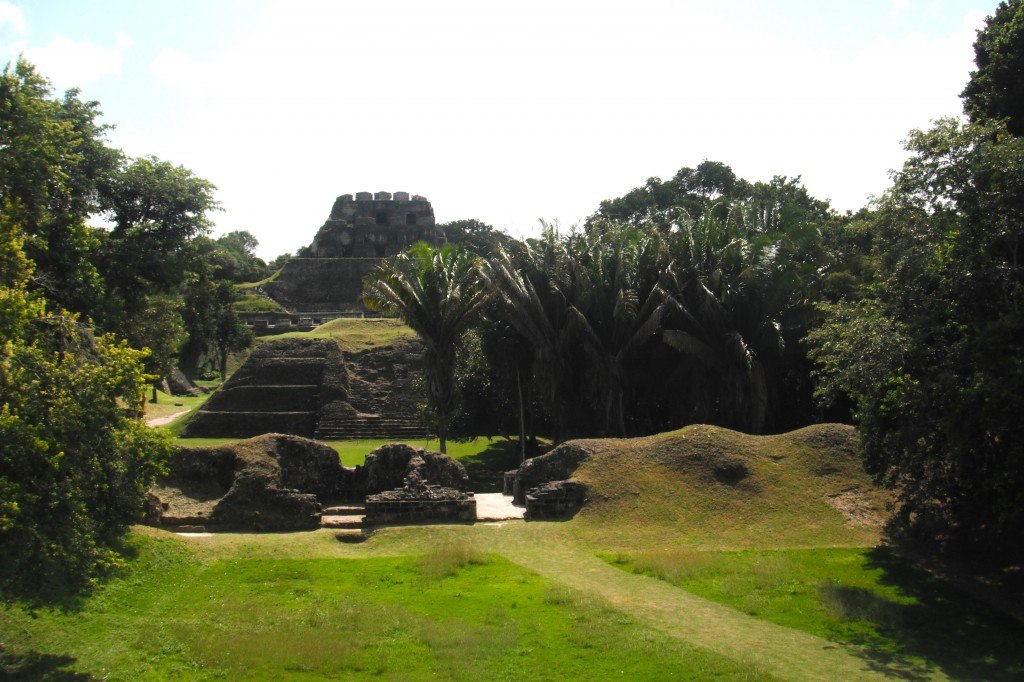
column 354, row 333
column 911, row 622
column 688, row 486
column 450, row 613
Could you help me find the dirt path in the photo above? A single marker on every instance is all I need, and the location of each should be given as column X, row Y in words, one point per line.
column 164, row 421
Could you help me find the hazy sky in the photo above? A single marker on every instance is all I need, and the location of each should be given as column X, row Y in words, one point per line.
column 505, row 112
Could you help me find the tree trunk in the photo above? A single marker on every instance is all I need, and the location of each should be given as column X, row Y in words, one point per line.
column 555, row 430
column 608, row 404
column 442, row 431
column 622, row 416
column 522, row 419
column 154, row 393
column 223, row 366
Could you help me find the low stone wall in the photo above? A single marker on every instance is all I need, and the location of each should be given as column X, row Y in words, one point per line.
column 557, row 465
column 207, row 423
column 382, row 509
column 555, row 499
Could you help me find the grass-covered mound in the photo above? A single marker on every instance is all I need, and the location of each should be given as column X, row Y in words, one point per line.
column 709, row 485
column 356, row 333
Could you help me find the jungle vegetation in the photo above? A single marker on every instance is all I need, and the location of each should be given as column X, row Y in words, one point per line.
column 704, row 298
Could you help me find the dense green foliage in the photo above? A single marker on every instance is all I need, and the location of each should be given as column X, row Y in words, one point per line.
column 87, row 315
column 438, row 293
column 934, row 354
column 139, row 278
column 473, row 235
column 75, row 460
column 996, row 88
column 671, row 318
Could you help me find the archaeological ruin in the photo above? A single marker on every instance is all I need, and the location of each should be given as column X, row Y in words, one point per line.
column 277, row 482
column 324, row 281
column 308, row 387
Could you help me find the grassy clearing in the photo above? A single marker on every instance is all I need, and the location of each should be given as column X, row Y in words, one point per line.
column 908, row 621
column 167, row 405
column 354, row 333
column 254, row 303
column 453, row 614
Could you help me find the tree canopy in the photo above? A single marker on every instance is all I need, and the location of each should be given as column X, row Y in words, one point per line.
column 996, row 87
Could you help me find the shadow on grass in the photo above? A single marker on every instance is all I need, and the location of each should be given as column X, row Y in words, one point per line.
column 36, row 666
column 53, row 586
column 487, row 467
column 962, row 636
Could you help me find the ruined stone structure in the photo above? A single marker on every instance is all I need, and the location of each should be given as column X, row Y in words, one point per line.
column 543, row 483
column 374, row 226
column 283, row 387
column 308, row 387
column 326, row 280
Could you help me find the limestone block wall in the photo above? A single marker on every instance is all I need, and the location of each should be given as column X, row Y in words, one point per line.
column 321, row 285
column 555, row 499
column 381, row 509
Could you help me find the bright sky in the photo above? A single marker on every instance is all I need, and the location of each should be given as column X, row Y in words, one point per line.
column 506, row 112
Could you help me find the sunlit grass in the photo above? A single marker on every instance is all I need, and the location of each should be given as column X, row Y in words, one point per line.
column 872, row 598
column 452, row 614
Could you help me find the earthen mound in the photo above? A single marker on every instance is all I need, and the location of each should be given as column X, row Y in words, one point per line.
column 710, row 482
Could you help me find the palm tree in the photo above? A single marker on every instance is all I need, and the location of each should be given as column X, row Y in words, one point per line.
column 728, row 296
column 438, row 293
column 530, row 288
column 617, row 308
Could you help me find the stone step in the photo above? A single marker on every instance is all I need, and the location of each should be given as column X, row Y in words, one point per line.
column 345, row 510
column 172, row 520
column 372, row 435
column 347, row 521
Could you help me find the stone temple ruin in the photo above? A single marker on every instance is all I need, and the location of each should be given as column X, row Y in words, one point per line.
column 277, row 482
column 325, row 280
column 308, row 387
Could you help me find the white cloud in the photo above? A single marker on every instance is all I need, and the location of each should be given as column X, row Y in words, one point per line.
column 72, row 63
column 513, row 111
column 11, row 14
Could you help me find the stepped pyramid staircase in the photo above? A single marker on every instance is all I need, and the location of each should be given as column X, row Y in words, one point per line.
column 281, row 388
column 306, row 387
column 382, row 394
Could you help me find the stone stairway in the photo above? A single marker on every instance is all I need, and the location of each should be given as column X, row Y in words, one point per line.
column 346, row 516
column 383, row 395
column 279, row 389
column 366, row 426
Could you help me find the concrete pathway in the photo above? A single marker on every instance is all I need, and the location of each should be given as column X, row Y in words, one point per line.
column 496, row 507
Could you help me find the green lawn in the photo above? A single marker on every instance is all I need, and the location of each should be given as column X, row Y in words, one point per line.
column 354, row 333
column 908, row 620
column 451, row 613
column 168, row 405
